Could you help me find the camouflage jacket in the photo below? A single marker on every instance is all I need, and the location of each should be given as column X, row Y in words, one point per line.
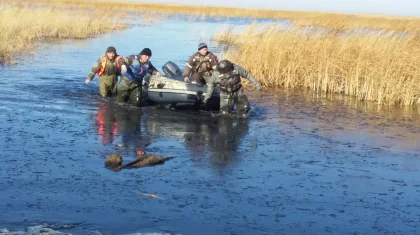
column 201, row 64
column 217, row 77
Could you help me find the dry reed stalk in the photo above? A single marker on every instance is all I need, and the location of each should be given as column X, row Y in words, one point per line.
column 148, row 18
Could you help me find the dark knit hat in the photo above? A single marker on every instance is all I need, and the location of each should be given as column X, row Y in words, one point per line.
column 202, row 45
column 146, row 51
column 111, row 49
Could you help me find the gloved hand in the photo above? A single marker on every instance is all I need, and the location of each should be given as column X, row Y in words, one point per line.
column 187, row 80
column 258, row 87
column 121, row 61
column 87, row 80
column 203, row 104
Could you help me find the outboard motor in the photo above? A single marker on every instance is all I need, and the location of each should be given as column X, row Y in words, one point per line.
column 171, row 69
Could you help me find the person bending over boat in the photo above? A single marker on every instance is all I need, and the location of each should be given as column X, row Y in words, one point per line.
column 107, row 70
column 133, row 71
column 228, row 76
column 144, row 61
column 201, row 64
column 130, row 85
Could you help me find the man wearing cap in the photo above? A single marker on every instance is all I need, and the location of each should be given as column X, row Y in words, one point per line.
column 228, row 76
column 133, row 71
column 144, row 59
column 107, row 69
column 201, row 64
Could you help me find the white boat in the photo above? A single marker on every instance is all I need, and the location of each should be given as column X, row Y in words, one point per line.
column 170, row 88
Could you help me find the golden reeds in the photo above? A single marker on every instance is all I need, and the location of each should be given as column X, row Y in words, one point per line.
column 300, row 18
column 346, row 22
column 21, row 26
column 382, row 66
column 148, row 18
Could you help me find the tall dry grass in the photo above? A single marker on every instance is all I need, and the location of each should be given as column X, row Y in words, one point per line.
column 382, row 67
column 337, row 21
column 22, row 26
column 347, row 22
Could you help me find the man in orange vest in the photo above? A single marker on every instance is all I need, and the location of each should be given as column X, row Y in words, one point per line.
column 107, row 67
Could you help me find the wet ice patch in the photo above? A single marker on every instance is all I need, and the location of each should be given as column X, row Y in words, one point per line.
column 148, row 233
column 47, row 230
column 34, row 230
column 4, row 231
column 43, row 230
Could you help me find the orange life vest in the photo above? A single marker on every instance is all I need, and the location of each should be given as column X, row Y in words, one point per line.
column 104, row 59
column 106, row 136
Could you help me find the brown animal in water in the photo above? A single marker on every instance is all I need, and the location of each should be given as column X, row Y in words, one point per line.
column 142, row 160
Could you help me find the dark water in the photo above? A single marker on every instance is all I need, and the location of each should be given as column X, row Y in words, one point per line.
column 301, row 164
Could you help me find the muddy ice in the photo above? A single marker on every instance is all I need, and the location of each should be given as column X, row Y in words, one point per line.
column 300, row 164
column 46, row 229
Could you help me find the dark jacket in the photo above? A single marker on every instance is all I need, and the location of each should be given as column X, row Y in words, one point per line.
column 133, row 69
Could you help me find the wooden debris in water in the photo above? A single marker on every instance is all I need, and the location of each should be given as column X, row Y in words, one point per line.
column 151, row 195
column 114, row 160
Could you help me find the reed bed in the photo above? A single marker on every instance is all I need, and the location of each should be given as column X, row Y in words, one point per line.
column 22, row 26
column 381, row 66
column 347, row 22
column 337, row 21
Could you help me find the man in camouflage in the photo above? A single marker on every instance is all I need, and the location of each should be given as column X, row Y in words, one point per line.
column 228, row 76
column 201, row 64
column 133, row 71
column 107, row 69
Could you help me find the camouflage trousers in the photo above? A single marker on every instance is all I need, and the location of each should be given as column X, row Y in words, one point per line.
column 229, row 100
column 129, row 91
column 107, row 85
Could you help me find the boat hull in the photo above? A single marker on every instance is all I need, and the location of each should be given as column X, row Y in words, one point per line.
column 164, row 90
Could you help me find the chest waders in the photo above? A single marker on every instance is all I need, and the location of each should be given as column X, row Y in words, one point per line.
column 232, row 93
